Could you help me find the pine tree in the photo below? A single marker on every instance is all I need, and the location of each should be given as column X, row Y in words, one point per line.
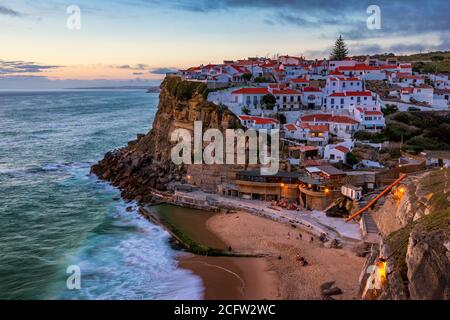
column 340, row 50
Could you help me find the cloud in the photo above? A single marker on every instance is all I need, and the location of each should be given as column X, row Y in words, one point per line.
column 347, row 17
column 138, row 73
column 137, row 67
column 20, row 67
column 163, row 70
column 9, row 12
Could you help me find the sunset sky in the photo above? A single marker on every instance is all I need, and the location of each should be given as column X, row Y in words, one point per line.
column 136, row 41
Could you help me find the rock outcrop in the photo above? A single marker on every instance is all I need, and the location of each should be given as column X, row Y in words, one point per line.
column 416, row 242
column 145, row 164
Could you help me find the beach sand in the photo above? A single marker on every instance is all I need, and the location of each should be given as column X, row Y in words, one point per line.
column 227, row 278
column 247, row 233
column 268, row 276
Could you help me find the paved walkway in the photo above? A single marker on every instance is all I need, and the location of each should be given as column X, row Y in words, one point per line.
column 315, row 221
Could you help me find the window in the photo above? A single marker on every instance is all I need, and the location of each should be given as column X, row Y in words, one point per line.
column 342, row 101
column 332, row 100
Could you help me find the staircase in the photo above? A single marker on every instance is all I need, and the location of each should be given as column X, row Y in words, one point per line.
column 369, row 228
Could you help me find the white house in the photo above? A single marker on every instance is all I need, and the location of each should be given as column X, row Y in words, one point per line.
column 258, row 123
column 441, row 99
column 405, row 68
column 440, row 81
column 290, row 60
column 313, row 135
column 422, row 93
column 363, row 71
column 336, row 153
column 312, row 97
column 342, row 126
column 345, row 100
column 370, row 119
column 333, row 65
column 287, row 99
column 292, row 71
column 298, row 83
column 342, row 84
column 406, row 80
column 248, row 97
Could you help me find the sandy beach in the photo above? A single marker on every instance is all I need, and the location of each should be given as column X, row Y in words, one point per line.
column 247, row 233
column 275, row 271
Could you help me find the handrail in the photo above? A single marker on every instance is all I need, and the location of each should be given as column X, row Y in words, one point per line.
column 371, row 203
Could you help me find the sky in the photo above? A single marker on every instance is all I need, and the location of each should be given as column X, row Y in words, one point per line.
column 135, row 42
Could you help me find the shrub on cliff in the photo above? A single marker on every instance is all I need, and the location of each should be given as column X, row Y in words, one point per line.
column 184, row 90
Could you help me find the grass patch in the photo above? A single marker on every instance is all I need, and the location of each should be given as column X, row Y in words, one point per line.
column 398, row 240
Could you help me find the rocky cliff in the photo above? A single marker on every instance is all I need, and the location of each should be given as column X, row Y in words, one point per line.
column 415, row 224
column 145, row 164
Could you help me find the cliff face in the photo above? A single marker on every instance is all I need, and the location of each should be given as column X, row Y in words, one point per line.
column 145, row 164
column 416, row 240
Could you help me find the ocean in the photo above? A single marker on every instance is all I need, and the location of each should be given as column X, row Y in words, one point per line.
column 54, row 214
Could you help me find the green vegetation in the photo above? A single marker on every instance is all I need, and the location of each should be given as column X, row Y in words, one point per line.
column 398, row 240
column 260, row 80
column 340, row 51
column 418, row 130
column 432, row 62
column 247, row 76
column 390, row 109
column 351, row 159
column 245, row 110
column 184, row 90
column 269, row 101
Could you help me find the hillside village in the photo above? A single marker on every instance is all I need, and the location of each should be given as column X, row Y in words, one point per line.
column 314, row 101
column 322, row 108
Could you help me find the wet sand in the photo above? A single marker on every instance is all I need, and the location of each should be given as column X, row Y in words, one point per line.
column 228, row 278
column 250, row 234
column 225, row 278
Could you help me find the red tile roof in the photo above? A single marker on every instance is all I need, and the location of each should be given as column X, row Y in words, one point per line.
column 374, row 113
column 319, row 128
column 343, row 119
column 337, row 94
column 259, row 120
column 342, row 149
column 311, row 89
column 358, row 94
column 300, row 80
column 357, row 68
column 285, row 91
column 316, row 117
column 351, row 94
column 290, row 127
column 251, row 91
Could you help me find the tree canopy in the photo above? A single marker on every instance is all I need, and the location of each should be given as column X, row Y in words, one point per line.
column 340, row 51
